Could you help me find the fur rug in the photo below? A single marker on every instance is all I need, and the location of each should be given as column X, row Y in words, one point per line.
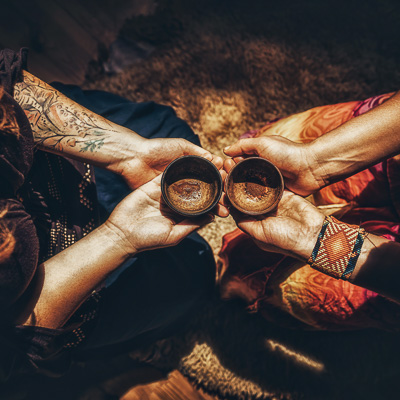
column 227, row 67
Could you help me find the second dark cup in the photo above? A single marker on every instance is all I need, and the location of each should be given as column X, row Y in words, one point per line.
column 254, row 186
column 191, row 185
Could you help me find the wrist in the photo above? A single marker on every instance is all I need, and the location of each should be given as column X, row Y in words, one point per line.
column 127, row 152
column 312, row 231
column 371, row 243
column 121, row 242
column 319, row 163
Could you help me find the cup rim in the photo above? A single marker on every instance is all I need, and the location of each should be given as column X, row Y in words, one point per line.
column 219, row 187
column 273, row 205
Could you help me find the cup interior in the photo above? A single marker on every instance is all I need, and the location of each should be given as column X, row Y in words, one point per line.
column 191, row 185
column 254, row 186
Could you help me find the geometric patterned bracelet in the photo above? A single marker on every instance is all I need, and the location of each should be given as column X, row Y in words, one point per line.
column 337, row 249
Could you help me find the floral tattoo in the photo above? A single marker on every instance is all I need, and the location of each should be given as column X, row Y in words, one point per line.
column 57, row 122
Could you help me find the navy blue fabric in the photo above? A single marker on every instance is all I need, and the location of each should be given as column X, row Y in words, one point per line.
column 157, row 291
column 148, row 119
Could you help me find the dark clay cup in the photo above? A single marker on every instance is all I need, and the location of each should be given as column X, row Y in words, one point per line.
column 254, row 186
column 191, row 185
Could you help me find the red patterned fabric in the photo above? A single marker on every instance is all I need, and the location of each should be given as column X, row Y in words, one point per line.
column 292, row 293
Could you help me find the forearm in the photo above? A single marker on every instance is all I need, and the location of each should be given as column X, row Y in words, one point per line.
column 64, row 127
column 359, row 143
column 378, row 267
column 67, row 279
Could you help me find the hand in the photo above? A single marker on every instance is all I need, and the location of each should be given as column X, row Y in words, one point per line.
column 153, row 156
column 146, row 223
column 296, row 161
column 291, row 229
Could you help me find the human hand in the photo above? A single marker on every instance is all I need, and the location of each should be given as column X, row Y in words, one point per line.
column 153, row 155
column 296, row 161
column 144, row 222
column 291, row 229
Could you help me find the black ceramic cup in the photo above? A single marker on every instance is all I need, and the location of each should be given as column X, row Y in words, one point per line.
column 191, row 186
column 254, row 186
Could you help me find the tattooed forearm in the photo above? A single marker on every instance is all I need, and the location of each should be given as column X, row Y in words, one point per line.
column 58, row 123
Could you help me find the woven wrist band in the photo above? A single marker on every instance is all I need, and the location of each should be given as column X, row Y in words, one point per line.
column 337, row 249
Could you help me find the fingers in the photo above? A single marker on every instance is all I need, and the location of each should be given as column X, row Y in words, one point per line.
column 243, row 147
column 223, row 174
column 246, row 225
column 229, row 163
column 189, row 225
column 221, row 210
column 191, row 149
column 217, row 161
column 151, row 188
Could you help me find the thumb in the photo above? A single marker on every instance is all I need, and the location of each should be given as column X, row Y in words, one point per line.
column 189, row 225
column 192, row 149
column 243, row 147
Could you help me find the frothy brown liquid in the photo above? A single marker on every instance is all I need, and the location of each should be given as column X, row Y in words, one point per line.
column 187, row 189
column 255, row 191
column 253, row 186
column 191, row 194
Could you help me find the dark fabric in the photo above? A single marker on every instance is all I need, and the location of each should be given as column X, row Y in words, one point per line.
column 165, row 286
column 156, row 293
column 16, row 155
column 11, row 65
column 48, row 198
column 150, row 295
column 16, row 273
column 148, row 119
column 16, row 151
column 61, row 196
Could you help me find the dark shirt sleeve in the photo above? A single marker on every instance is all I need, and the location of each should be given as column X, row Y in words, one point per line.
column 11, row 65
column 16, row 150
column 17, row 271
column 16, row 157
column 31, row 348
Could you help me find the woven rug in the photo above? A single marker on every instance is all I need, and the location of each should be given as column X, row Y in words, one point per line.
column 227, row 67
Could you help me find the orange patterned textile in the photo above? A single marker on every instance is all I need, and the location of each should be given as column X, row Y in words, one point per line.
column 292, row 293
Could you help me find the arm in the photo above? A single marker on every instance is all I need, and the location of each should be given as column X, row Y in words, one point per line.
column 67, row 279
column 359, row 143
column 64, row 127
column 378, row 267
column 293, row 230
column 342, row 152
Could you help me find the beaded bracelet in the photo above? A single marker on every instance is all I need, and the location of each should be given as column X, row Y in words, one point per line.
column 337, row 249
